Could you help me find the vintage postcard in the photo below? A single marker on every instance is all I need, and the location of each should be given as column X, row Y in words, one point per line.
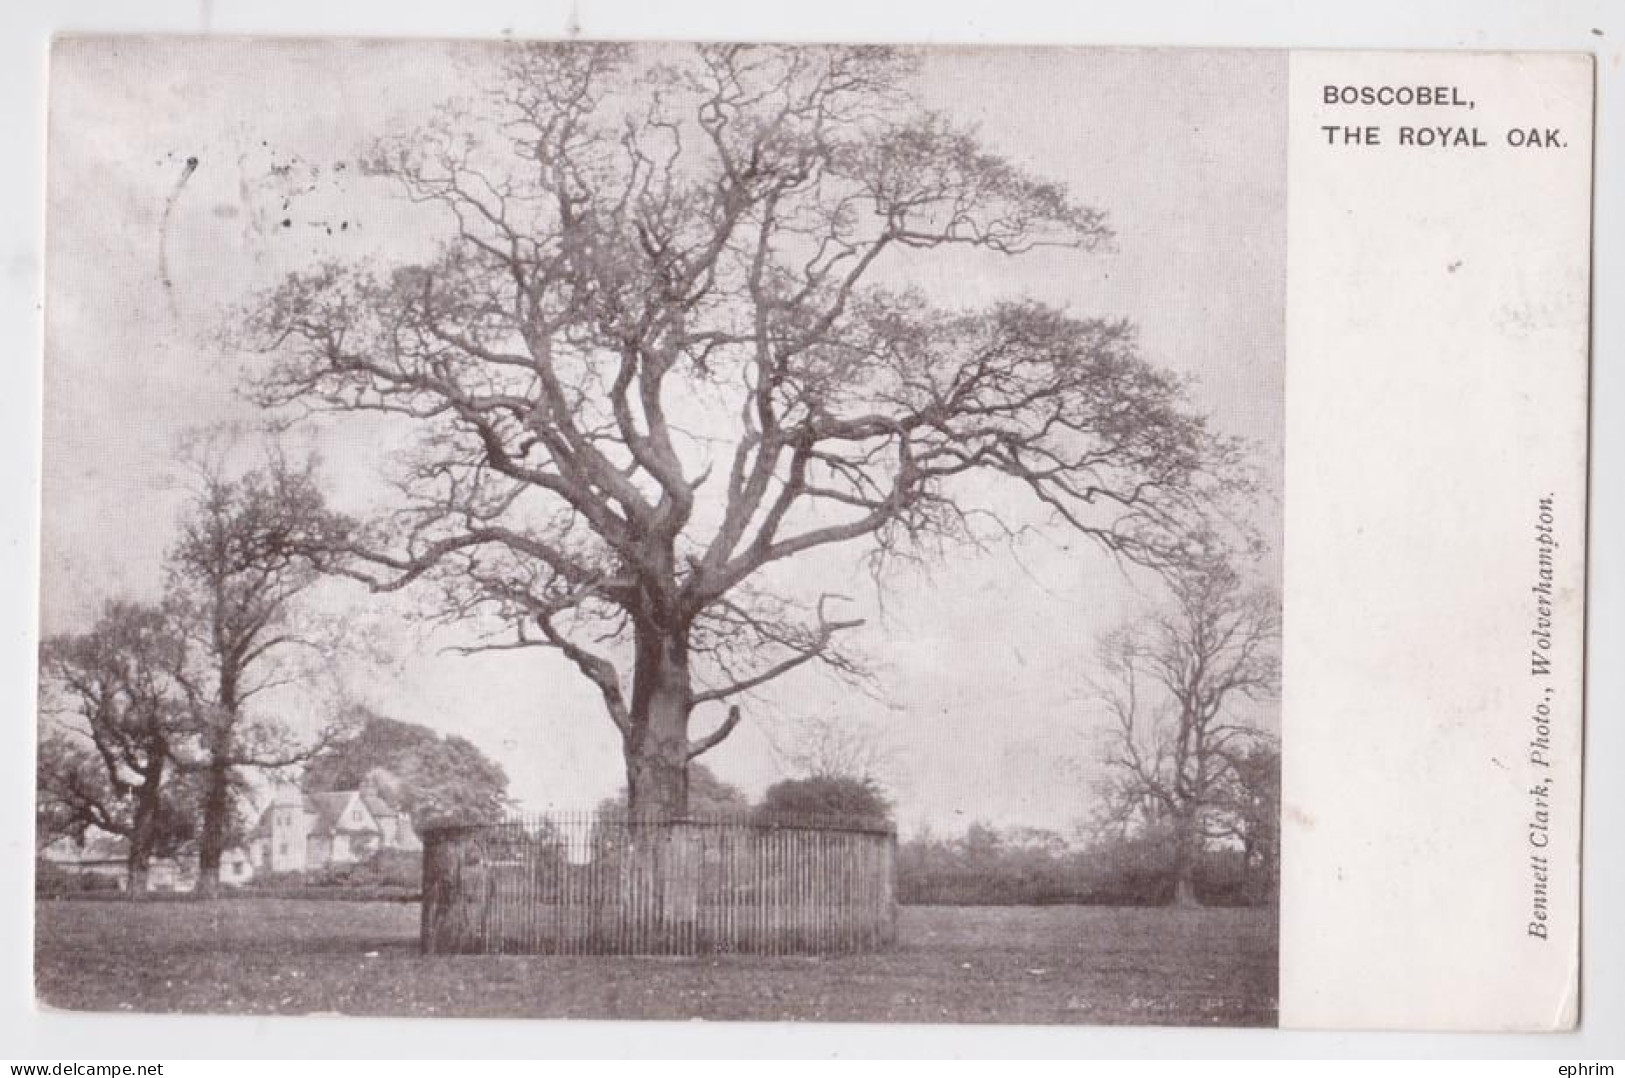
column 831, row 533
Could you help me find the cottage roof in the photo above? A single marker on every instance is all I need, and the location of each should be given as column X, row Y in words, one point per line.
column 104, row 848
column 100, row 848
column 329, row 811
column 377, row 805
column 326, row 812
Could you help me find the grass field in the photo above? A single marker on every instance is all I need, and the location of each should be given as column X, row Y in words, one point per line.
column 1069, row 964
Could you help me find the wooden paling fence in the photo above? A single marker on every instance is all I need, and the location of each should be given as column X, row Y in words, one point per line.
column 604, row 884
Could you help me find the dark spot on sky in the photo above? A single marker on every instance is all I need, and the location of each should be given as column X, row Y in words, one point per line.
column 287, row 222
column 191, row 162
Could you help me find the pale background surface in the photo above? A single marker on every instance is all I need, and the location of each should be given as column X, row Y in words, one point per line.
column 1482, row 25
column 1437, row 309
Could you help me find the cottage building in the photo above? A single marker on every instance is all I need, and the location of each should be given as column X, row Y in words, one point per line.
column 297, row 832
column 300, row 832
column 107, row 856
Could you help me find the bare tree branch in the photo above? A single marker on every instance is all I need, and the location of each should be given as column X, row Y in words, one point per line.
column 641, row 248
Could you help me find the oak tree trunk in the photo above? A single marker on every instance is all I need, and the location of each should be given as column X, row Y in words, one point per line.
column 1184, row 871
column 217, row 784
column 216, row 816
column 142, row 836
column 141, row 840
column 657, row 783
column 136, row 871
column 657, row 743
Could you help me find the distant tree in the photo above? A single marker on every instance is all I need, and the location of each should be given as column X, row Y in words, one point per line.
column 245, row 554
column 1179, row 744
column 981, row 845
column 707, row 795
column 836, row 764
column 1250, row 812
column 986, row 866
column 435, row 778
column 823, row 746
column 119, row 724
column 831, row 796
column 56, row 815
column 669, row 347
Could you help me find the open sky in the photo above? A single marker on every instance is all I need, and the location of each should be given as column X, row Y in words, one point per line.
column 983, row 666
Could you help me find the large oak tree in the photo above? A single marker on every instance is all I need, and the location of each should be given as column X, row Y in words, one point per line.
column 670, row 342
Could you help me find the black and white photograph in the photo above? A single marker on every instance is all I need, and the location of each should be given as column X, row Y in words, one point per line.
column 670, row 531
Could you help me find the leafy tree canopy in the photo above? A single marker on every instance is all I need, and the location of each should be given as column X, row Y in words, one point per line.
column 121, row 722
column 832, row 796
column 708, row 795
column 435, row 778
